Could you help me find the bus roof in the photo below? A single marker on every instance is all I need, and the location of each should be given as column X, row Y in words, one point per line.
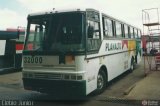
column 57, row 11
column 75, row 10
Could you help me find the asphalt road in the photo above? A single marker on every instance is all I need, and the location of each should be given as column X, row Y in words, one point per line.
column 11, row 91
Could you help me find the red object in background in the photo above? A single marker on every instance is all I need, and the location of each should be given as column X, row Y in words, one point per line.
column 144, row 43
column 19, row 46
column 158, row 55
column 30, row 46
column 14, row 29
column 125, row 42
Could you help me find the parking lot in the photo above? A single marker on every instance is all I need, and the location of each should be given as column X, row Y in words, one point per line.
column 11, row 88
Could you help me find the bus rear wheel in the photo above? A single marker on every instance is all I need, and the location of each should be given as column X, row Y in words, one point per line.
column 101, row 82
column 132, row 65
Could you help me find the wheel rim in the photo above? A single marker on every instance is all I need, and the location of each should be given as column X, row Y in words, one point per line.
column 100, row 81
column 132, row 67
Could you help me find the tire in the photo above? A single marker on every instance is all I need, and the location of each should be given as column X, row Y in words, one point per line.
column 132, row 65
column 101, row 82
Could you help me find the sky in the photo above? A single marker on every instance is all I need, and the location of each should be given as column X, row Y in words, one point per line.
column 13, row 13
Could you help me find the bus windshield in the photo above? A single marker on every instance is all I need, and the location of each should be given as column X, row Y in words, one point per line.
column 56, row 33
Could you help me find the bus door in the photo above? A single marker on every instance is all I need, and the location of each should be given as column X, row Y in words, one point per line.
column 93, row 44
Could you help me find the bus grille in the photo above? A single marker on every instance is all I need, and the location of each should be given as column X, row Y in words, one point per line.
column 52, row 76
column 47, row 76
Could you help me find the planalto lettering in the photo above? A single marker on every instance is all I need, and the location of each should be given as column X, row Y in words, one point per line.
column 113, row 46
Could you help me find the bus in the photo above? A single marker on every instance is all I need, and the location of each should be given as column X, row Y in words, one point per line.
column 19, row 46
column 76, row 52
column 7, row 50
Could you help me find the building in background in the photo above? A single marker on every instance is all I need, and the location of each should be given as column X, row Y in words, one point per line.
column 8, row 50
column 19, row 46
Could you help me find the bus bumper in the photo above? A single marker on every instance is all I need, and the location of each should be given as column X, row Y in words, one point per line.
column 56, row 87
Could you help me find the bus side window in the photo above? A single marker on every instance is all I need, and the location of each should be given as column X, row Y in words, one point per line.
column 118, row 29
column 135, row 33
column 90, row 31
column 93, row 30
column 139, row 34
column 94, row 41
column 132, row 32
column 126, row 31
column 123, row 33
column 107, row 27
column 129, row 32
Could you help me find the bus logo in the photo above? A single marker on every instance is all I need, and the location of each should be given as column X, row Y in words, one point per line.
column 113, row 46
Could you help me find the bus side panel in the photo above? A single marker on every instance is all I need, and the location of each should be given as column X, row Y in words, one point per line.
column 92, row 68
column 117, row 60
column 117, row 57
column 116, row 64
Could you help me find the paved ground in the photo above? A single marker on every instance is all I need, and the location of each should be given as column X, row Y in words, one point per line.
column 118, row 86
column 148, row 88
column 11, row 88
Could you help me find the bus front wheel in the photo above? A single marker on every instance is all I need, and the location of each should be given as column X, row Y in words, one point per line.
column 101, row 82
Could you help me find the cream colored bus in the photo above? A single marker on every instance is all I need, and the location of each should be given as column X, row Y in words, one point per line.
column 76, row 52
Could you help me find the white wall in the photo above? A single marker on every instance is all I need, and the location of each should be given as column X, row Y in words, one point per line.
column 2, row 47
